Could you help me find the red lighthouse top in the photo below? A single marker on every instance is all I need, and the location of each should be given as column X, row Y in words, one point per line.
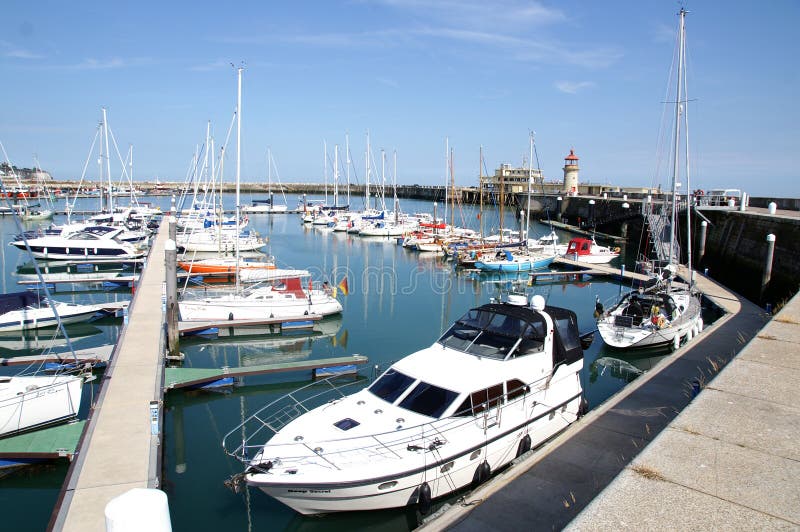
column 571, row 157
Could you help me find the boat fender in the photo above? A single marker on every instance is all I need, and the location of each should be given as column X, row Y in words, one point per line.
column 424, row 499
column 524, row 445
column 699, row 325
column 230, row 316
column 583, row 407
column 676, row 342
column 305, row 313
column 598, row 308
column 482, row 473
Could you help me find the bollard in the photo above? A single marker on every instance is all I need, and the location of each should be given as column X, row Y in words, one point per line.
column 171, row 256
column 768, row 263
column 701, row 242
column 773, row 207
column 743, row 202
column 172, row 228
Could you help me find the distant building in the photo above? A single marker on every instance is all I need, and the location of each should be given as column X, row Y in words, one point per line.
column 25, row 175
column 514, row 180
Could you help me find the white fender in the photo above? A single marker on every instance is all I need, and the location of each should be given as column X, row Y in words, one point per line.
column 676, row 342
column 700, row 324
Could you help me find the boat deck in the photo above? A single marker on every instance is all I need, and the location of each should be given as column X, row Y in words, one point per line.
column 601, row 269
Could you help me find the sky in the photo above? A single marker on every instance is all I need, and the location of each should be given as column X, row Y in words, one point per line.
column 584, row 75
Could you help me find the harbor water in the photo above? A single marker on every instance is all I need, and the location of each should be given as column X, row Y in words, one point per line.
column 398, row 301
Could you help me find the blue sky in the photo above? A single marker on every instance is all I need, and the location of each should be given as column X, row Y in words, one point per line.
column 589, row 75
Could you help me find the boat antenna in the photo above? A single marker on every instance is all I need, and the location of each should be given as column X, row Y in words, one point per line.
column 18, row 223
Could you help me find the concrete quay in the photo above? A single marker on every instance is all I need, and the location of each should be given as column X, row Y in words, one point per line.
column 118, row 451
column 731, row 459
column 656, row 457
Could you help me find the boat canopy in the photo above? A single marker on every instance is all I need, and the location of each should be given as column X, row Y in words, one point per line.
column 18, row 301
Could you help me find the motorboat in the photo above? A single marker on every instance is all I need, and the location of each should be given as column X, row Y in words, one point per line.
column 588, row 251
column 282, row 295
column 94, row 243
column 502, row 380
column 27, row 310
column 225, row 265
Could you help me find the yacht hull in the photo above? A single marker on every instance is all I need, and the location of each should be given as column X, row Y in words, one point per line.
column 35, row 401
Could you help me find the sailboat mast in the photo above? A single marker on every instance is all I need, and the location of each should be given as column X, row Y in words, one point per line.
column 366, row 187
column 396, row 202
column 347, row 148
column 686, row 158
column 108, row 162
column 480, row 189
column 530, row 181
column 446, row 174
column 677, row 139
column 336, row 175
column 453, row 193
column 325, row 168
column 238, row 165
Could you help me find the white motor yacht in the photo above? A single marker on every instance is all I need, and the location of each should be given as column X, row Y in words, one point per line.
column 95, row 243
column 502, row 380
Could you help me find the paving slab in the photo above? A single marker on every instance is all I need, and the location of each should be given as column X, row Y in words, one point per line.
column 638, row 503
column 777, row 353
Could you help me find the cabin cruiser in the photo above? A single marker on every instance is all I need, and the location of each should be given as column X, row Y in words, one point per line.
column 502, row 380
column 589, row 251
column 93, row 243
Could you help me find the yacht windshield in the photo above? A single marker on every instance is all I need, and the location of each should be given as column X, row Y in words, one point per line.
column 428, row 400
column 391, row 385
column 492, row 334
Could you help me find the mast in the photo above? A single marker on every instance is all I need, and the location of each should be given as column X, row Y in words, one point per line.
column 347, row 148
column 677, row 139
column 366, row 187
column 383, row 179
column 530, row 180
column 502, row 201
column 453, row 193
column 446, row 174
column 269, row 172
column 336, row 175
column 686, row 156
column 108, row 163
column 325, row 167
column 238, row 165
column 480, row 189
column 396, row 202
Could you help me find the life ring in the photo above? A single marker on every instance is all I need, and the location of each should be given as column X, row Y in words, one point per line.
column 661, row 322
column 616, row 249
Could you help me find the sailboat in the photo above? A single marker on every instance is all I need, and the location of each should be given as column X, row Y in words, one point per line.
column 268, row 205
column 666, row 313
column 282, row 295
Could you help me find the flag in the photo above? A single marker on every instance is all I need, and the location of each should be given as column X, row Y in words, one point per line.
column 343, row 286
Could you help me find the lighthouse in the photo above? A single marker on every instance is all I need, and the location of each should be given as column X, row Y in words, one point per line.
column 571, row 174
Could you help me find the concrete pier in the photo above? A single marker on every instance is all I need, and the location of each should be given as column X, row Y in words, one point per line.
column 118, row 451
column 731, row 459
column 684, row 464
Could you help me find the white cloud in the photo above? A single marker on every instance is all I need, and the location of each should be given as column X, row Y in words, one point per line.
column 388, row 82
column 23, row 54
column 573, row 87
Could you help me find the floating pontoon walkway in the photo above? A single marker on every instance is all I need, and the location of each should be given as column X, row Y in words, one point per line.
column 121, row 445
column 92, row 355
column 183, row 377
column 598, row 269
column 60, row 441
column 193, row 326
column 579, row 231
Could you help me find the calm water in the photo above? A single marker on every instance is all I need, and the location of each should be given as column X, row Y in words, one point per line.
column 399, row 302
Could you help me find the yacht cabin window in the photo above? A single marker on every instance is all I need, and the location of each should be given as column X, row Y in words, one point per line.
column 428, row 400
column 391, row 385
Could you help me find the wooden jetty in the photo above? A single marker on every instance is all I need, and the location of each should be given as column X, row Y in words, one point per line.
column 183, row 377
